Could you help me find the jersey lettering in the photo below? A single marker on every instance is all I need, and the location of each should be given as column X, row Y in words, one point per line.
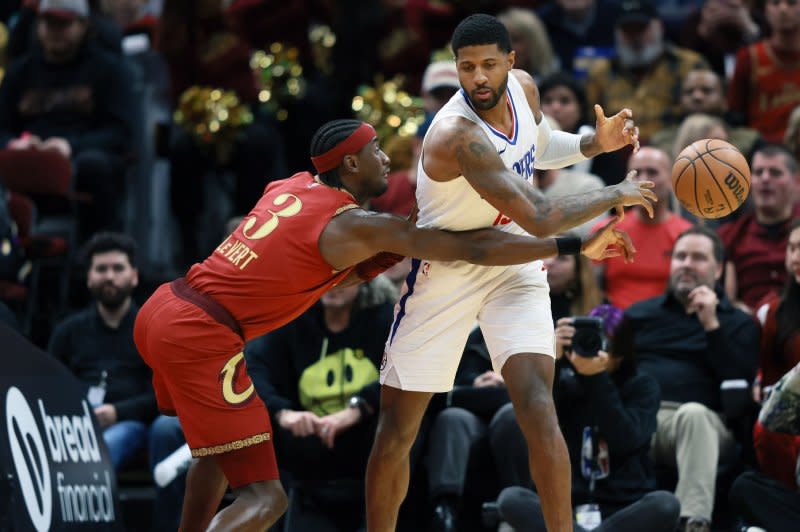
column 270, row 225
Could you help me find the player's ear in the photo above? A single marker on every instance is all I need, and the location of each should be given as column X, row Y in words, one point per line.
column 350, row 163
column 512, row 56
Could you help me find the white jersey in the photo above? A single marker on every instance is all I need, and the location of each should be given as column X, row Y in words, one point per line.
column 455, row 205
column 441, row 301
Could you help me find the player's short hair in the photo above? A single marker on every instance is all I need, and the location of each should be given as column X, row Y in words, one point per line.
column 326, row 138
column 716, row 241
column 771, row 150
column 479, row 29
column 106, row 241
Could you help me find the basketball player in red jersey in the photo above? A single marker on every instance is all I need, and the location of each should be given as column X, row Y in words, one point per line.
column 305, row 235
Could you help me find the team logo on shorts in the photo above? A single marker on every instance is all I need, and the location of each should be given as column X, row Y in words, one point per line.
column 229, row 376
column 426, row 268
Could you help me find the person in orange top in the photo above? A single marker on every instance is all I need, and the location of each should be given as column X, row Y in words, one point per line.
column 626, row 283
column 305, row 235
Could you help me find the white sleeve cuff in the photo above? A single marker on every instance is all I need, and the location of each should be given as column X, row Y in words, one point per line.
column 556, row 149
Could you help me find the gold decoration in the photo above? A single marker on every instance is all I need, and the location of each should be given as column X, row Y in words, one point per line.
column 322, row 41
column 391, row 110
column 214, row 117
column 231, row 446
column 443, row 54
column 280, row 78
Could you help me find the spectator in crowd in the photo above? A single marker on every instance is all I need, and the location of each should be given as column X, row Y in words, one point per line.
column 718, row 28
column 201, row 50
column 573, row 24
column 96, row 345
column 756, row 242
column 701, row 92
column 780, row 351
column 759, row 499
column 690, row 340
column 607, row 412
column 318, row 376
column 564, row 100
column 533, row 52
column 626, row 283
column 792, row 139
column 646, row 74
column 70, row 96
column 696, row 127
column 23, row 39
column 131, row 17
column 764, row 88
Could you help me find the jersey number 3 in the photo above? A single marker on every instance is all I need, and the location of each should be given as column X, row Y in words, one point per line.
column 270, row 225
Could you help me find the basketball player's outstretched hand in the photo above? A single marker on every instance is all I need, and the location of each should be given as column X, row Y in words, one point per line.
column 609, row 241
column 615, row 132
column 637, row 192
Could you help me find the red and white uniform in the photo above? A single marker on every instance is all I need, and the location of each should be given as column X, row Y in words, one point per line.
column 264, row 274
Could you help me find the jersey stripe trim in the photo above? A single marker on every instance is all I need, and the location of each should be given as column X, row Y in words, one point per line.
column 496, row 132
column 411, row 280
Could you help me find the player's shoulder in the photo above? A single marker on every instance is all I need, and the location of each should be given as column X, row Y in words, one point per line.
column 448, row 129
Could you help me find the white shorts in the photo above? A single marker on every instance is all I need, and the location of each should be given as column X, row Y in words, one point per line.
column 440, row 305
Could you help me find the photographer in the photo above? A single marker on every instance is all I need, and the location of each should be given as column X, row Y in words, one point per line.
column 607, row 412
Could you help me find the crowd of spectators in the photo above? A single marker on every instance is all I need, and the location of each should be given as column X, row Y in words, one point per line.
column 662, row 424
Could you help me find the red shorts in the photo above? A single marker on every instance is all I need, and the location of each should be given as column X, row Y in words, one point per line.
column 199, row 374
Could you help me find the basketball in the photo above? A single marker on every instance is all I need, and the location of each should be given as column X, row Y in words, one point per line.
column 711, row 178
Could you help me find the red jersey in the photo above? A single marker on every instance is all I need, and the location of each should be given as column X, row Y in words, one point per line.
column 758, row 253
column 647, row 276
column 270, row 270
column 766, row 88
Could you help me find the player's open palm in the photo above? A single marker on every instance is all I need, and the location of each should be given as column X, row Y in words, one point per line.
column 637, row 192
column 610, row 242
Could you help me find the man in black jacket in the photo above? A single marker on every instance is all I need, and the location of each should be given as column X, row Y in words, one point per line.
column 69, row 95
column 607, row 413
column 97, row 346
column 690, row 340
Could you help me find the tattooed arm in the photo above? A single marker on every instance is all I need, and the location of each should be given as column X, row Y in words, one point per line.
column 458, row 146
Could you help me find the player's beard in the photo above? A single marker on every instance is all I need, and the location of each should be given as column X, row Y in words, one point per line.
column 491, row 102
column 110, row 296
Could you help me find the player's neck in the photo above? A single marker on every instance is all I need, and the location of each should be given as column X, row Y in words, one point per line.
column 500, row 116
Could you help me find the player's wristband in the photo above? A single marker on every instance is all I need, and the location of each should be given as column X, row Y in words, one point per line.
column 570, row 245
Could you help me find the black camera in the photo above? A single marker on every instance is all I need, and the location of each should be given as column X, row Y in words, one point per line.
column 590, row 336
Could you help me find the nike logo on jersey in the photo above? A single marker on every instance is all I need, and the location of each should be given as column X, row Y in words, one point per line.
column 501, row 152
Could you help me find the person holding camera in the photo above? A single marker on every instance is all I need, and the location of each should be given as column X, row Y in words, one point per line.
column 691, row 340
column 607, row 413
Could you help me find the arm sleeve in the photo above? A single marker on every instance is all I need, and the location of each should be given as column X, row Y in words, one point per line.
column 142, row 407
column 733, row 349
column 627, row 417
column 556, row 149
column 268, row 364
column 114, row 113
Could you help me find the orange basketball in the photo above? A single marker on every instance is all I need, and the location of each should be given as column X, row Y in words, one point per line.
column 711, row 178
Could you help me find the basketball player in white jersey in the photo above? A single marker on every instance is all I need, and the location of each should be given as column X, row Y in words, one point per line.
column 476, row 170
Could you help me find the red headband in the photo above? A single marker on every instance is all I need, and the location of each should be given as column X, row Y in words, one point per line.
column 352, row 144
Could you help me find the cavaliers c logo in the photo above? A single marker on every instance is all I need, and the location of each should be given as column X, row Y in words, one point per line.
column 228, row 376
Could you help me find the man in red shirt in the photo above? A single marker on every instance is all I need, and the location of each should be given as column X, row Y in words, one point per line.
column 755, row 244
column 305, row 235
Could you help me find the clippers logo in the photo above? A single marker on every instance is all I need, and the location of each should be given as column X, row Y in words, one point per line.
column 229, row 377
column 30, row 460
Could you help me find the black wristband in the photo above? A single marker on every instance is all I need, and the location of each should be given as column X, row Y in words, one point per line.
column 570, row 245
